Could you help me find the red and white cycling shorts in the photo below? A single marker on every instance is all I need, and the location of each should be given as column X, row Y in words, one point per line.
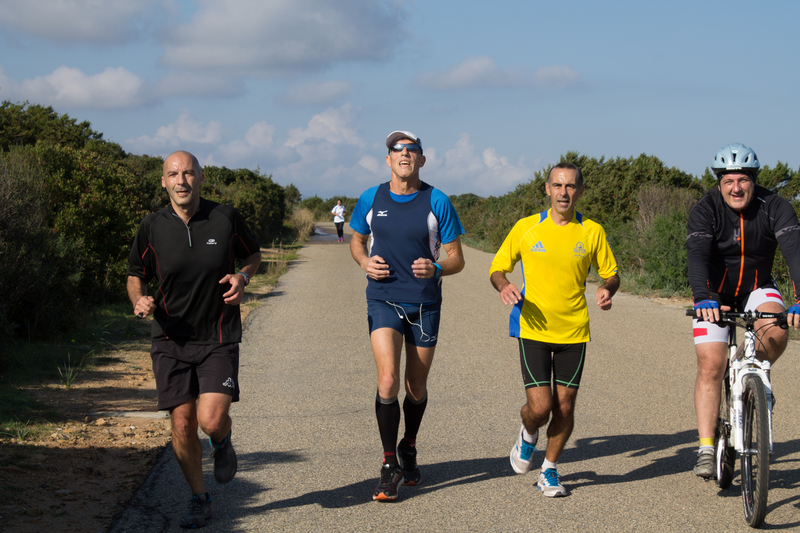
column 708, row 332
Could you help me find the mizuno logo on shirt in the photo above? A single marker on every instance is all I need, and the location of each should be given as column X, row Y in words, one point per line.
column 538, row 247
column 229, row 383
column 211, row 241
column 383, row 213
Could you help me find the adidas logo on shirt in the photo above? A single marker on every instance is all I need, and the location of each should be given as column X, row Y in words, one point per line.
column 538, row 247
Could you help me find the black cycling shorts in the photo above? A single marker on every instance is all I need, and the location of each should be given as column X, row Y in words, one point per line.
column 546, row 363
column 185, row 372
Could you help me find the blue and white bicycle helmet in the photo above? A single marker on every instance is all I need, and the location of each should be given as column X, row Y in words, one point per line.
column 735, row 157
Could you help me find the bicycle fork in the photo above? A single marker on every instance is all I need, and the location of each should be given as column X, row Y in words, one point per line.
column 740, row 368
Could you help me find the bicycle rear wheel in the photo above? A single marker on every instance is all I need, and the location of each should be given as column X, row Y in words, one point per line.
column 723, row 449
column 755, row 456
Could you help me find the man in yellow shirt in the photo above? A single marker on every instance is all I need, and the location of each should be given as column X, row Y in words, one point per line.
column 550, row 317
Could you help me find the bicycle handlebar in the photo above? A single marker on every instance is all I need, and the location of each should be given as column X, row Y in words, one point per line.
column 746, row 315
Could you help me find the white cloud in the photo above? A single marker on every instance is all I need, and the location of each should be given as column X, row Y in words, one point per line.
column 466, row 169
column 257, row 140
column 81, row 21
column 372, row 164
column 66, row 87
column 317, row 93
column 483, row 71
column 280, row 36
column 331, row 126
column 556, row 77
column 476, row 71
column 183, row 131
column 327, row 157
column 260, row 135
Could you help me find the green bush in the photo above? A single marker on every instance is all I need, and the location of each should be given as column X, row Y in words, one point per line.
column 26, row 125
column 260, row 200
column 99, row 202
column 37, row 269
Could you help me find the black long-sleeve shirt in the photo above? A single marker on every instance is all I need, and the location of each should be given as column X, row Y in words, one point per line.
column 731, row 252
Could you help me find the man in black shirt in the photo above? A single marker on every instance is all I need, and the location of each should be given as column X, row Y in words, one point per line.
column 190, row 246
column 733, row 233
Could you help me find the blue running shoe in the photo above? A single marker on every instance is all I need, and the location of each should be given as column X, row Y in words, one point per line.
column 224, row 459
column 522, row 452
column 550, row 484
column 199, row 512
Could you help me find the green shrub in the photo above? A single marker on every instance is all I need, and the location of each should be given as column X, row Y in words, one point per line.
column 96, row 201
column 260, row 200
column 37, row 269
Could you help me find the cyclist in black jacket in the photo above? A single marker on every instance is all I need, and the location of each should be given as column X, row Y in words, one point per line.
column 733, row 232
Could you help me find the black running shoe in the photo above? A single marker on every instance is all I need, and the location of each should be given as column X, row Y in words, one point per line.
column 224, row 459
column 387, row 486
column 407, row 456
column 199, row 512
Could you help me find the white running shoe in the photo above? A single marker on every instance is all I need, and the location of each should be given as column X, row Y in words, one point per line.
column 550, row 484
column 522, row 453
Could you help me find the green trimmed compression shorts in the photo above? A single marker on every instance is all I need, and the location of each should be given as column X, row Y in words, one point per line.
column 545, row 363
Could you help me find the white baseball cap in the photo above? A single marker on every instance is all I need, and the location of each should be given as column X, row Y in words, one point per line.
column 395, row 136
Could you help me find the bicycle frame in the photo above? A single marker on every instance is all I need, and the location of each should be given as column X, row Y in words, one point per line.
column 748, row 418
column 743, row 363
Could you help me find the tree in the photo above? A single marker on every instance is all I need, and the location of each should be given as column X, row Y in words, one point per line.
column 292, row 196
column 24, row 124
column 260, row 200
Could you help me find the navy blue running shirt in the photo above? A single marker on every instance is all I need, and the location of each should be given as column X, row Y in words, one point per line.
column 403, row 228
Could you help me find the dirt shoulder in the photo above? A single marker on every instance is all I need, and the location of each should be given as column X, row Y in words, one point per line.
column 80, row 473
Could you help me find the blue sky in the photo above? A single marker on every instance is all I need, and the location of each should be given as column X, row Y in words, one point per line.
column 307, row 90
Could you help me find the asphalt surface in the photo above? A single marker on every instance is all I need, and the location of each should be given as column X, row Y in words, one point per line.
column 308, row 446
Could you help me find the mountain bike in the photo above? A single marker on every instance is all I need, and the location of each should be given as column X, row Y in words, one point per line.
column 745, row 413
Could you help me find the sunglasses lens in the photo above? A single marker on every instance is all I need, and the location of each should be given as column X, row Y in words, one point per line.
column 411, row 147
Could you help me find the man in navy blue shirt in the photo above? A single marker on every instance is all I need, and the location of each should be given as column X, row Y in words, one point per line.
column 399, row 228
column 190, row 246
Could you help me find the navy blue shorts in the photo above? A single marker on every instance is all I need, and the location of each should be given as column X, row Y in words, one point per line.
column 545, row 361
column 419, row 324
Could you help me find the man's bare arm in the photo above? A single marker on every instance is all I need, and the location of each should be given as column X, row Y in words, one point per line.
column 143, row 305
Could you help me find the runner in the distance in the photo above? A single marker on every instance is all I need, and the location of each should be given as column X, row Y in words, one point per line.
column 338, row 219
column 398, row 229
column 733, row 232
column 550, row 317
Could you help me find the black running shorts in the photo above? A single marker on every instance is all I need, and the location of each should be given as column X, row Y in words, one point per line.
column 183, row 372
column 544, row 363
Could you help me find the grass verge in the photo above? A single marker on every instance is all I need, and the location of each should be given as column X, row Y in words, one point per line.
column 66, row 360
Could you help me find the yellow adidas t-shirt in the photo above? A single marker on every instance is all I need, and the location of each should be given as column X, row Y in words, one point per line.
column 555, row 262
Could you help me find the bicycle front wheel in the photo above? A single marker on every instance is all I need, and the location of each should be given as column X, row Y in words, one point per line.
column 723, row 448
column 755, row 456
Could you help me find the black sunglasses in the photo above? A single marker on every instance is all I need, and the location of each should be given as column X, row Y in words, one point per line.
column 411, row 147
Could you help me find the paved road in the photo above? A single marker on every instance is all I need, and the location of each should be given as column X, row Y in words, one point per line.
column 309, row 451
